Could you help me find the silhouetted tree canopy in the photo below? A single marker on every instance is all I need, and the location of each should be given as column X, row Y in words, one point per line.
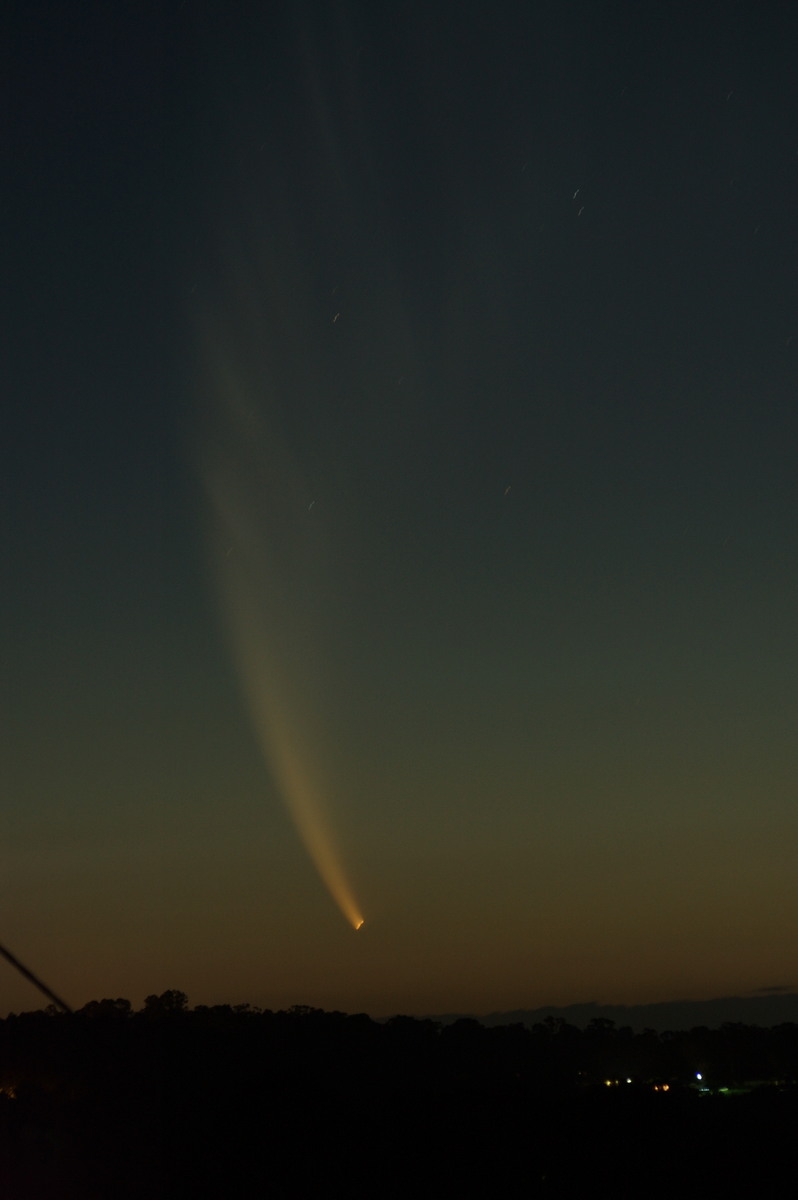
column 171, row 1101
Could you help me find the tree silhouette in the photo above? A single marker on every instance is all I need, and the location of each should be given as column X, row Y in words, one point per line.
column 168, row 1003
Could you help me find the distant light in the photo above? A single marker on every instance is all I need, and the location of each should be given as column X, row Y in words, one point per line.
column 698, row 1075
column 628, row 1081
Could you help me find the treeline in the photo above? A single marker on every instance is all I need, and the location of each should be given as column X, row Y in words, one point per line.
column 552, row 1053
column 229, row 1100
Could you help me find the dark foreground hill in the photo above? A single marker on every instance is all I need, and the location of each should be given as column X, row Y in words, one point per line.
column 227, row 1102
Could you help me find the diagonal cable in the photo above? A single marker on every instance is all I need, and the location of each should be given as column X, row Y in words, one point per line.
column 34, row 979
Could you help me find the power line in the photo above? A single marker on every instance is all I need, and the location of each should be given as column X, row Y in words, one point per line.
column 34, row 979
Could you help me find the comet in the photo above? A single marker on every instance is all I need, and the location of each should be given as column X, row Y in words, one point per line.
column 359, row 925
column 266, row 564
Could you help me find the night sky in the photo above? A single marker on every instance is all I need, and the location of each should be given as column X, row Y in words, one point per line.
column 399, row 440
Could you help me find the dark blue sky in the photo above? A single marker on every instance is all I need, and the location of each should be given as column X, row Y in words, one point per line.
column 402, row 424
